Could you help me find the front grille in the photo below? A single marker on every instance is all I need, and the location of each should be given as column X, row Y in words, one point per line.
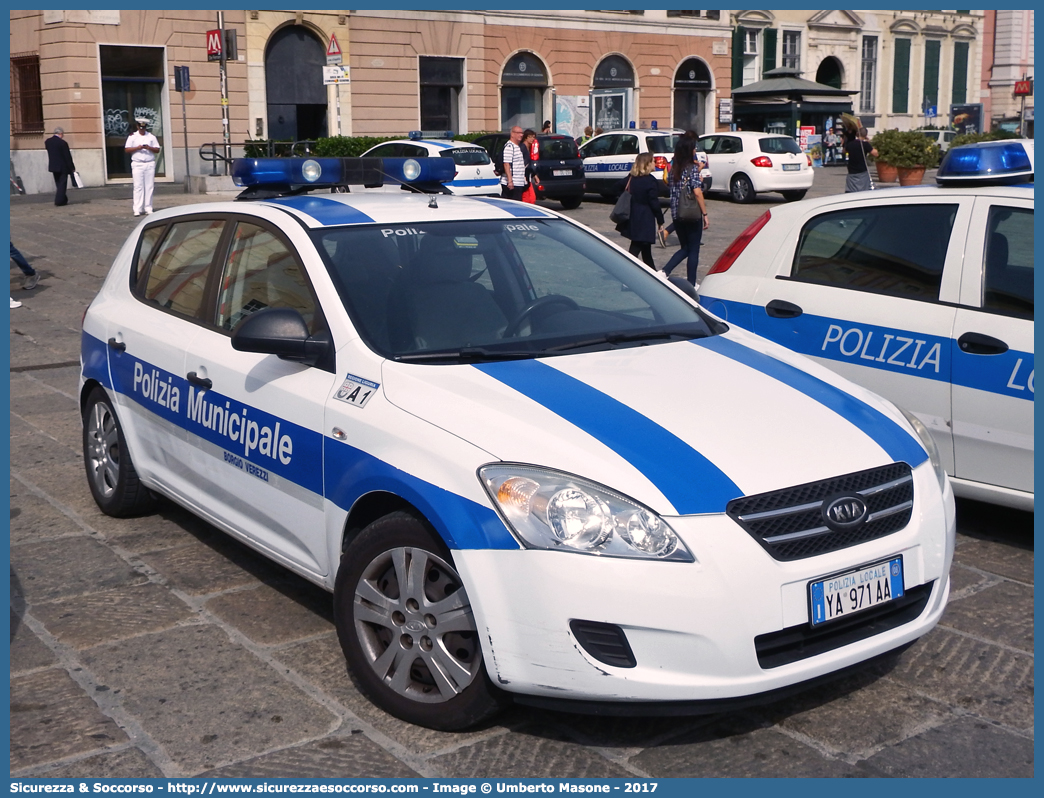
column 790, row 523
column 804, row 641
column 606, row 642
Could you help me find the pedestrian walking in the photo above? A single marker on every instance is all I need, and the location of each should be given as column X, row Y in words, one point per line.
column 529, row 138
column 646, row 219
column 686, row 186
column 513, row 181
column 859, row 151
column 32, row 277
column 60, row 164
column 143, row 146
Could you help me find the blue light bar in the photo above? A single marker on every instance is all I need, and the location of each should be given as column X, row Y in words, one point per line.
column 987, row 162
column 430, row 134
column 284, row 172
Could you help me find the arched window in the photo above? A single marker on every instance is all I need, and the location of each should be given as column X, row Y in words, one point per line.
column 829, row 72
column 523, row 83
column 692, row 87
column 294, row 63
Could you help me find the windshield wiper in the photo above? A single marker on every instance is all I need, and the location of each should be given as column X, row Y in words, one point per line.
column 629, row 337
column 466, row 353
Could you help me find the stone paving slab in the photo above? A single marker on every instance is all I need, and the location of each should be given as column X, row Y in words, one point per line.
column 987, row 615
column 270, row 615
column 55, row 719
column 130, row 763
column 27, row 653
column 69, row 567
column 966, row 748
column 350, row 757
column 177, row 685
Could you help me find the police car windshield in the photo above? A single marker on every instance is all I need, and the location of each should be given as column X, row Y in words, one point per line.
column 494, row 289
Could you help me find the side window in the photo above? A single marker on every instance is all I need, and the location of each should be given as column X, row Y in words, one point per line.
column 149, row 239
column 871, row 249
column 730, row 146
column 599, row 147
column 628, row 145
column 708, row 144
column 177, row 279
column 386, row 151
column 1008, row 262
column 262, row 272
column 412, row 151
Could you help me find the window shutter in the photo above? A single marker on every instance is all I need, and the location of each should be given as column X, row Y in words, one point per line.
column 932, row 48
column 960, row 73
column 768, row 41
column 738, row 37
column 901, row 77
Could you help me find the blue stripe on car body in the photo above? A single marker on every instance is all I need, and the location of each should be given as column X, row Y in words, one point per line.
column 685, row 477
column 521, row 209
column 472, row 183
column 896, row 441
column 915, row 354
column 95, row 356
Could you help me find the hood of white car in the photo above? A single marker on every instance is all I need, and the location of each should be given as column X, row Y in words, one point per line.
column 682, row 427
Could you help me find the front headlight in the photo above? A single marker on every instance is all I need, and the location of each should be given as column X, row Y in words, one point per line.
column 559, row 512
column 929, row 446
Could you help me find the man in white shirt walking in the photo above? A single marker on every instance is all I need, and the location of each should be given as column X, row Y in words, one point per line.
column 143, row 147
column 513, row 181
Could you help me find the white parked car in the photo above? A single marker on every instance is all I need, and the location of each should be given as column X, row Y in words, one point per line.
column 474, row 173
column 922, row 294
column 746, row 163
column 940, row 137
column 459, row 415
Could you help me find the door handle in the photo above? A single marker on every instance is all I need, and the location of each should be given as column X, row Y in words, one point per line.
column 119, row 346
column 781, row 309
column 202, row 382
column 978, row 344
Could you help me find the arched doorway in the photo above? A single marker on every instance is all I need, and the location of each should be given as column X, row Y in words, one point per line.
column 613, row 93
column 829, row 72
column 523, row 83
column 692, row 87
column 294, row 63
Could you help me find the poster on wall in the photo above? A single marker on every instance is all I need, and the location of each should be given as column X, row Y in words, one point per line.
column 814, row 149
column 966, row 118
column 608, row 111
column 804, row 131
column 572, row 114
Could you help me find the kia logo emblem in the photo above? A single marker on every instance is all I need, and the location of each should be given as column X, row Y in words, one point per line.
column 845, row 512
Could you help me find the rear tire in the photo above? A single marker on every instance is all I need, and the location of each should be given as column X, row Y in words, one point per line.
column 795, row 195
column 407, row 630
column 571, row 203
column 742, row 189
column 110, row 473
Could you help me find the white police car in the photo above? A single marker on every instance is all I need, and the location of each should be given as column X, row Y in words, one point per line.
column 526, row 466
column 922, row 294
column 474, row 172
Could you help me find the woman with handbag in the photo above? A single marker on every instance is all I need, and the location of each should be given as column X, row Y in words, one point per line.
column 646, row 218
column 528, row 139
column 688, row 209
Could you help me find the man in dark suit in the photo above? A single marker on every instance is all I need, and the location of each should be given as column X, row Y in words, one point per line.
column 60, row 164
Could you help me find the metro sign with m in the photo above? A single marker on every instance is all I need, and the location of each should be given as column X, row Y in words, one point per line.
column 214, row 47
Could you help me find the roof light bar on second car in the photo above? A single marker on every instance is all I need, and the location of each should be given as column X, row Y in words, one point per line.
column 303, row 173
column 987, row 162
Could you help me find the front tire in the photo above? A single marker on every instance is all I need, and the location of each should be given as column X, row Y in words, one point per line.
column 110, row 472
column 742, row 189
column 571, row 203
column 407, row 629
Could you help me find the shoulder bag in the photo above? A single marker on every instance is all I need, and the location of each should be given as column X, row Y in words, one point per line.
column 621, row 213
column 688, row 207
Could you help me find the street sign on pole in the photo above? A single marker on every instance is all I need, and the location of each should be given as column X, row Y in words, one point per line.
column 333, row 51
column 334, row 75
column 215, row 46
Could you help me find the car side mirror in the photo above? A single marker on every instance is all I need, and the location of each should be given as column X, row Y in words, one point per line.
column 684, row 286
column 281, row 332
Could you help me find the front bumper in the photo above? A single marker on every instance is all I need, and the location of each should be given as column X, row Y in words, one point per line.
column 691, row 627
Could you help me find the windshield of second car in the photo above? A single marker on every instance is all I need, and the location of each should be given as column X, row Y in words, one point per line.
column 493, row 289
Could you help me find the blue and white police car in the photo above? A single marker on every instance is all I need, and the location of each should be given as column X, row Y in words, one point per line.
column 609, row 156
column 922, row 294
column 474, row 174
column 526, row 466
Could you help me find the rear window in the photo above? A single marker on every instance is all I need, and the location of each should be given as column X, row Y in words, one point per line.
column 558, row 148
column 467, row 156
column 779, row 144
column 657, row 144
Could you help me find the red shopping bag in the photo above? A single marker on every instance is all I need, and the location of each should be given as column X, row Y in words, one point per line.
column 529, row 195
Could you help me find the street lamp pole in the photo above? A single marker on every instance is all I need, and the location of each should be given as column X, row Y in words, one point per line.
column 225, row 133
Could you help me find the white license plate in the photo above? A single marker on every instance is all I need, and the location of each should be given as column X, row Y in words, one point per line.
column 854, row 591
column 562, row 172
column 791, row 167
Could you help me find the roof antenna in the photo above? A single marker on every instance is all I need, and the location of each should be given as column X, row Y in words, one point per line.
column 432, row 202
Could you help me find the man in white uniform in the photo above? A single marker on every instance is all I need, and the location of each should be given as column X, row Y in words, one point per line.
column 143, row 147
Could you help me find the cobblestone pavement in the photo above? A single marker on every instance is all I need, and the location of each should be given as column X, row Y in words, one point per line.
column 159, row 647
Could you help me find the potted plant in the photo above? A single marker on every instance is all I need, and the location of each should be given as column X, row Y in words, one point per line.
column 909, row 151
column 884, row 143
